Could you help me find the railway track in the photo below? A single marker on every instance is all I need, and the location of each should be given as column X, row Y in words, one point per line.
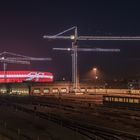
column 90, row 131
column 108, row 111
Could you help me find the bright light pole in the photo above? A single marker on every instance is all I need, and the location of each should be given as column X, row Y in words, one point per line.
column 95, row 76
column 95, row 73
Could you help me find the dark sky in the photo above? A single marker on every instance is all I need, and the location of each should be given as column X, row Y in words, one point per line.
column 23, row 23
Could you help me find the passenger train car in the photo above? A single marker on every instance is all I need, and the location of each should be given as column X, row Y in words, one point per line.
column 21, row 76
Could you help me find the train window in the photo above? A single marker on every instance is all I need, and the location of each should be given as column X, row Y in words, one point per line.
column 88, row 90
column 120, row 99
column 63, row 90
column 83, row 90
column 116, row 99
column 112, row 99
column 19, row 91
column 106, row 98
column 46, row 90
column 131, row 100
column 136, row 100
column 37, row 90
column 3, row 90
column 23, row 91
column 109, row 98
column 55, row 90
column 126, row 100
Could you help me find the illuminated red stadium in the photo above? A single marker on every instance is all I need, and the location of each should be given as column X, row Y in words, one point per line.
column 21, row 76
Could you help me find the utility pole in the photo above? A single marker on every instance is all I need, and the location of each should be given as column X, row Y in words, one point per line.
column 4, row 69
column 75, row 38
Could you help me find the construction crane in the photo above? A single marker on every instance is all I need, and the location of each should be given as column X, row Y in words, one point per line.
column 75, row 38
column 17, row 59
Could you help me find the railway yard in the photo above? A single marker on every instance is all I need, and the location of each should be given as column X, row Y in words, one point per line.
column 78, row 74
column 76, row 116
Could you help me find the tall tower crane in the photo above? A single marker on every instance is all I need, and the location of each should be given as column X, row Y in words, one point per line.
column 9, row 57
column 75, row 38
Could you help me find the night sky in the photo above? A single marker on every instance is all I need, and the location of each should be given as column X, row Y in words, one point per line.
column 23, row 24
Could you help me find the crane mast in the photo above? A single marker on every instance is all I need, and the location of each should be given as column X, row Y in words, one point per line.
column 74, row 61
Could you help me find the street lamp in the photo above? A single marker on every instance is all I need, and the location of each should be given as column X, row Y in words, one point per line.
column 94, row 69
column 96, row 77
column 95, row 73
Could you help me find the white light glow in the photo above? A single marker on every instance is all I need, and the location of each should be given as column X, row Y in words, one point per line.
column 72, row 37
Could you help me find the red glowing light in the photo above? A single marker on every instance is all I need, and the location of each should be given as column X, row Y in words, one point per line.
column 21, row 76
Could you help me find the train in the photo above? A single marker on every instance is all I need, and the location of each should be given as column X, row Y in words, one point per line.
column 129, row 99
column 24, row 76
